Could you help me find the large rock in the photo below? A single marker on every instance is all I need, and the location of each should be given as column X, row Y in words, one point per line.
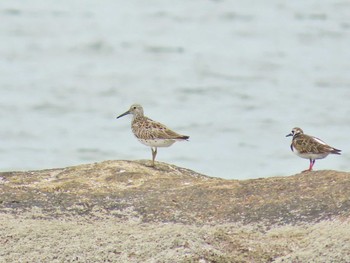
column 124, row 211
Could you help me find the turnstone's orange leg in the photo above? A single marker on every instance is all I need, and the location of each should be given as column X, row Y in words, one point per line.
column 312, row 162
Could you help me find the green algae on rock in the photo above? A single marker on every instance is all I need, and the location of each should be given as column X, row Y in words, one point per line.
column 132, row 212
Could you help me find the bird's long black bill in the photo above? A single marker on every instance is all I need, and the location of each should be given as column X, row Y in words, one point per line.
column 125, row 113
column 291, row 134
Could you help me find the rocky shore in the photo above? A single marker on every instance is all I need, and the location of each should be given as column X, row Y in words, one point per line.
column 127, row 211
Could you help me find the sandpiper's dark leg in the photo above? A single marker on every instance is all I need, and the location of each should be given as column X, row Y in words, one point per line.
column 154, row 153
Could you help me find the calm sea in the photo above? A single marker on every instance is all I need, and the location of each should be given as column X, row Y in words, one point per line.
column 236, row 76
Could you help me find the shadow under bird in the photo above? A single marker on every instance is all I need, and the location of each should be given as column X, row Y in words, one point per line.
column 151, row 133
column 309, row 147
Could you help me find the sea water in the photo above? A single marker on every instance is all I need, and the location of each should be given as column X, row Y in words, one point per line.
column 236, row 76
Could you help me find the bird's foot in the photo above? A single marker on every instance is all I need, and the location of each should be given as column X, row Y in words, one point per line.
column 308, row 170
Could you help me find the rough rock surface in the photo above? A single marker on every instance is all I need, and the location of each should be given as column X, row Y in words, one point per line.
column 127, row 211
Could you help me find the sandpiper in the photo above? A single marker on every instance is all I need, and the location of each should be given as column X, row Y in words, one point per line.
column 151, row 133
column 309, row 147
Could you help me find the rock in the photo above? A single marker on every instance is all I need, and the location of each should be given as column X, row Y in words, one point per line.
column 127, row 211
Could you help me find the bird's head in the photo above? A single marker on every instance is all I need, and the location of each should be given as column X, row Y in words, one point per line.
column 295, row 131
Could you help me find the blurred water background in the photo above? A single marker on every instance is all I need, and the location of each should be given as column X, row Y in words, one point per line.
column 236, row 76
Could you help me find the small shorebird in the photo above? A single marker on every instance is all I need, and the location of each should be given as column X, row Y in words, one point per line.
column 151, row 133
column 309, row 147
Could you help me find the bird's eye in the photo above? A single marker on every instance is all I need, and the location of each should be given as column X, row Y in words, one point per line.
column 134, row 108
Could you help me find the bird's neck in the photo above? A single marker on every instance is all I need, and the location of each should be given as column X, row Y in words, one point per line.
column 297, row 135
column 137, row 117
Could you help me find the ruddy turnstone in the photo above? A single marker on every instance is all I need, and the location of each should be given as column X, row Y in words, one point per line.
column 151, row 133
column 309, row 147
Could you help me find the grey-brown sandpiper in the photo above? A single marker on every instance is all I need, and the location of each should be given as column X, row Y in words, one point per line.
column 151, row 133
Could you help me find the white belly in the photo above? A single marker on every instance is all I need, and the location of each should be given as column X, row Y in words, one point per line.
column 312, row 156
column 157, row 142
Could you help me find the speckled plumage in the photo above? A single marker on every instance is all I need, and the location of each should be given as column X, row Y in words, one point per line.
column 150, row 132
column 309, row 147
